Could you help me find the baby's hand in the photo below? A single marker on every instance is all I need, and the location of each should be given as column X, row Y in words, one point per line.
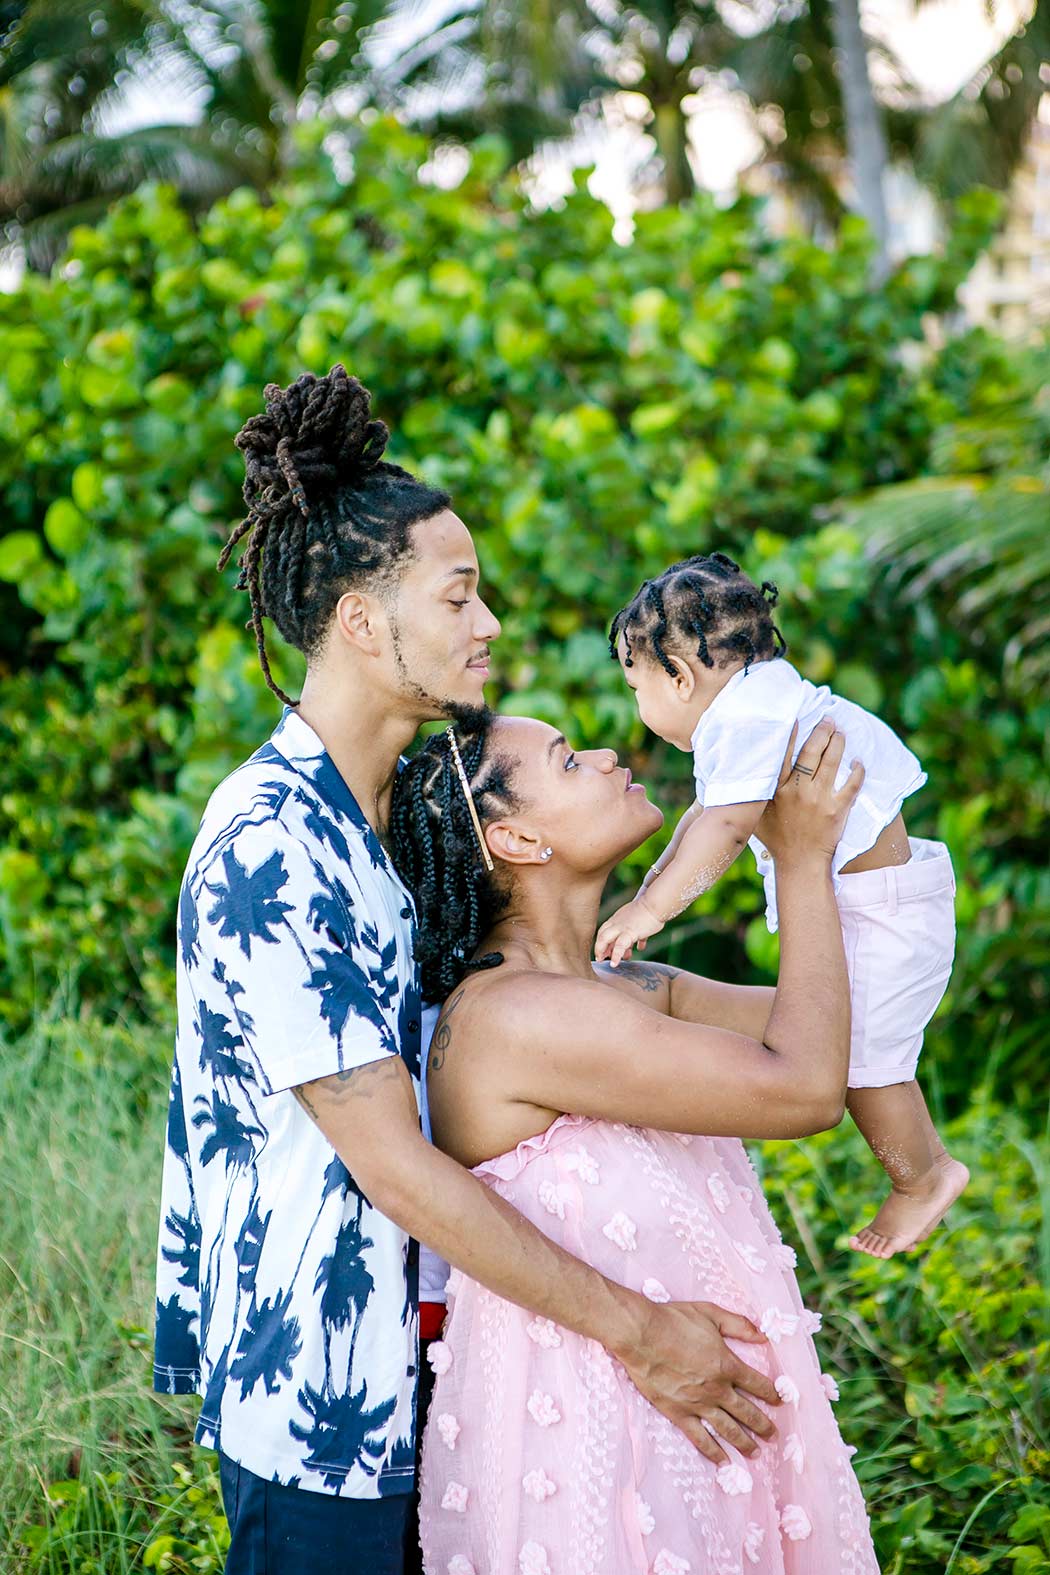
column 629, row 925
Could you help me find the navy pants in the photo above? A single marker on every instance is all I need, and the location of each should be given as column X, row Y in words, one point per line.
column 277, row 1530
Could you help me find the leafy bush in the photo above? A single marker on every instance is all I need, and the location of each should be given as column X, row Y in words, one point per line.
column 596, row 410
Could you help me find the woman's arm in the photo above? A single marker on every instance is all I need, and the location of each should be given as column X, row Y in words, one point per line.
column 575, row 1045
column 745, row 1008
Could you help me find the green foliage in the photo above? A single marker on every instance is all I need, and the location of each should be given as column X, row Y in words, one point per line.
column 596, row 411
column 942, row 1356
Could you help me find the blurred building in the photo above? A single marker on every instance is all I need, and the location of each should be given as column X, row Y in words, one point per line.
column 1009, row 288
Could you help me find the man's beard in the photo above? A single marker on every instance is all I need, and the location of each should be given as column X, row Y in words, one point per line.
column 458, row 711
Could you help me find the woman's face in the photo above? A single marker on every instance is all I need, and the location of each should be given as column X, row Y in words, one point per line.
column 581, row 802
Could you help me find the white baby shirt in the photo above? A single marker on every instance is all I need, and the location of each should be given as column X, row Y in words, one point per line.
column 739, row 744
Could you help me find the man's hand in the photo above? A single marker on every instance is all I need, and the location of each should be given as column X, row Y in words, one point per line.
column 629, row 926
column 684, row 1368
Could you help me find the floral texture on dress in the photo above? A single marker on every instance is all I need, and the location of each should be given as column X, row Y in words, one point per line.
column 622, row 1231
column 795, row 1523
column 439, row 1356
column 538, row 1485
column 775, row 1324
column 532, row 1560
column 456, row 1497
column 545, row 1333
column 542, row 1409
column 734, row 1478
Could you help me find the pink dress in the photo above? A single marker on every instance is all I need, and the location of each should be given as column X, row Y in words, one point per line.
column 541, row 1458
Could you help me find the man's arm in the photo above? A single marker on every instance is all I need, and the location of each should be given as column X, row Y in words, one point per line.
column 675, row 1353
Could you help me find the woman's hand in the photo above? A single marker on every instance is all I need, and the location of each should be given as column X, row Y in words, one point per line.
column 807, row 814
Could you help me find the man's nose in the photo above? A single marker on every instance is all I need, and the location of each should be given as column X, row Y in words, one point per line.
column 486, row 625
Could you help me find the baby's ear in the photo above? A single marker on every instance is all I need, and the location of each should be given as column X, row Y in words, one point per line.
column 683, row 679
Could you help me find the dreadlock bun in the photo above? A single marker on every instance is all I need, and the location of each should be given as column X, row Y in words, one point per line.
column 315, row 431
column 435, row 851
column 326, row 512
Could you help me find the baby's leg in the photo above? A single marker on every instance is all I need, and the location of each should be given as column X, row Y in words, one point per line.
column 926, row 1181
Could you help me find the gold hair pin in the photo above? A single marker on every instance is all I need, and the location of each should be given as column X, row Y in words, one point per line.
column 450, row 732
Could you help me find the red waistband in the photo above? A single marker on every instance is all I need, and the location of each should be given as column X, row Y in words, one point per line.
column 431, row 1317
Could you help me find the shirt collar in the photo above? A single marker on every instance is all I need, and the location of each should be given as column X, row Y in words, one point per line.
column 734, row 682
column 297, row 743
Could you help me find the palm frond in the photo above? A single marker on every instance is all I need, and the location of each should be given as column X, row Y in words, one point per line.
column 982, row 133
column 979, row 547
column 184, row 156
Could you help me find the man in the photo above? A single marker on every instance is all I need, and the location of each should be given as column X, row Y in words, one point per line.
column 296, row 1175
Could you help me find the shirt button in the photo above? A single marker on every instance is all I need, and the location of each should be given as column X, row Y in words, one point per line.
column 413, row 1025
column 406, row 913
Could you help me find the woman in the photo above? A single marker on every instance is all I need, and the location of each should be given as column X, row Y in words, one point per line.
column 609, row 1109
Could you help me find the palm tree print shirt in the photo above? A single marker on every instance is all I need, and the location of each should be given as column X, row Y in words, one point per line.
column 283, row 1297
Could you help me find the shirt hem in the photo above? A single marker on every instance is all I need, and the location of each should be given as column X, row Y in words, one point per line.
column 306, row 1068
column 176, row 1380
column 717, row 797
column 396, row 1479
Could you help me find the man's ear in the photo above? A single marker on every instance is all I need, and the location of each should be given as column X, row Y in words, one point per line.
column 361, row 621
column 513, row 842
column 684, row 679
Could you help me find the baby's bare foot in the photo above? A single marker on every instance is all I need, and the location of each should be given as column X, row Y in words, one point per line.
column 910, row 1215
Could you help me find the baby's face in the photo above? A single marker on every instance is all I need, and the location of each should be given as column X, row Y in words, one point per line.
column 659, row 697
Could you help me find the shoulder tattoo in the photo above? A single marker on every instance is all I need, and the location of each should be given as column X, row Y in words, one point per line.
column 442, row 1040
column 647, row 976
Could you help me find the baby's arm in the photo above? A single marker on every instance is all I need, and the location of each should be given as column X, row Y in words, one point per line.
column 695, row 809
column 708, row 847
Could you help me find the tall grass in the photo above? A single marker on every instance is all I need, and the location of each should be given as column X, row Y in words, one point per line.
column 943, row 1357
column 85, row 1445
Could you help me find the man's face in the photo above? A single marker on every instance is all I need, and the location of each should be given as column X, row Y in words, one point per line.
column 440, row 626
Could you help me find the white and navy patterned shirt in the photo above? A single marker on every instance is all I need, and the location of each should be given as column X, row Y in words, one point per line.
column 283, row 1297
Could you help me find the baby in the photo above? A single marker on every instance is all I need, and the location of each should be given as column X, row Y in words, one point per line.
column 706, row 662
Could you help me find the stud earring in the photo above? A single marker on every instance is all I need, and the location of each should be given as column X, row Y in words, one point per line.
column 545, row 855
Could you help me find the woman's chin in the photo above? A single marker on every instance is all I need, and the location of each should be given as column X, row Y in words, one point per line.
column 645, row 819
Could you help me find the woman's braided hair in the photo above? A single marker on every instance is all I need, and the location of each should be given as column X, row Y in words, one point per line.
column 326, row 512
column 705, row 605
column 436, row 853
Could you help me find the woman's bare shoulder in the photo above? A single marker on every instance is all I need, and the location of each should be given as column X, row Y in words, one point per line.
column 516, row 1000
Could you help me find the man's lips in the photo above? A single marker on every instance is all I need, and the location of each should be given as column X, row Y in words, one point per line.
column 480, row 664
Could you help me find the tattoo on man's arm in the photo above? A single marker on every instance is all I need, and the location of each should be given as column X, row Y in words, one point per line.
column 442, row 1040
column 359, row 1082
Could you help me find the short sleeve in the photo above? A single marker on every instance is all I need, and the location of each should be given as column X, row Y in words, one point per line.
column 284, row 950
column 741, row 750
